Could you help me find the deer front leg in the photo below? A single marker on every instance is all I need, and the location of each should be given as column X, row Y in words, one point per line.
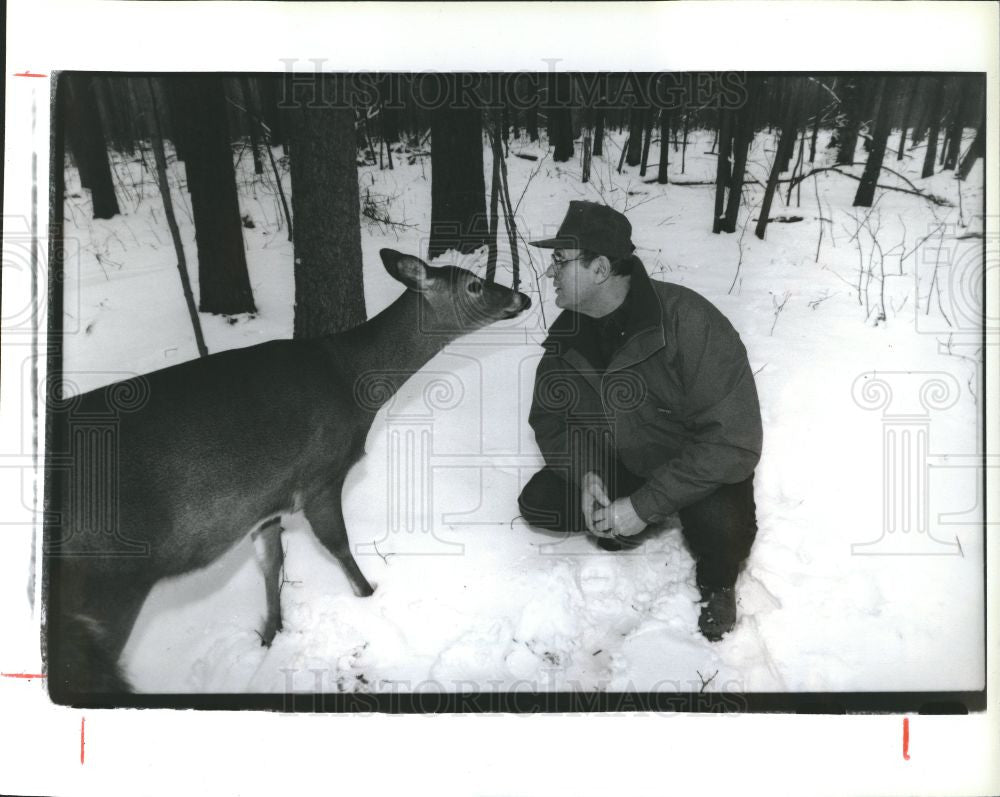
column 271, row 557
column 325, row 515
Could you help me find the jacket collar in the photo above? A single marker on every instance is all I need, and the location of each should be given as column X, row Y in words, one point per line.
column 570, row 335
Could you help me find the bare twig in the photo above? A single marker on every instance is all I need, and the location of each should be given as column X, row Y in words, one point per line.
column 704, row 682
column 934, row 282
column 384, row 557
column 819, row 209
column 939, row 201
column 778, row 308
column 739, row 244
column 817, row 302
column 528, row 183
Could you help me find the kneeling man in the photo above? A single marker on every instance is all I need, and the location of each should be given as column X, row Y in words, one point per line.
column 644, row 406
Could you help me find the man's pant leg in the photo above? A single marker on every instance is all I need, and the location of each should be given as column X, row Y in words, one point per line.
column 549, row 501
column 720, row 529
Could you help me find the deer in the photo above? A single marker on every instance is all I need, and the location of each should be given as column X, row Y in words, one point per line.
column 160, row 474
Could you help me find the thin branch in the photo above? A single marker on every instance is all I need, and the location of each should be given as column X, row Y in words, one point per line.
column 940, row 202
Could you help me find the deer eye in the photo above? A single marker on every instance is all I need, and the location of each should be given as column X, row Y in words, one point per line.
column 475, row 287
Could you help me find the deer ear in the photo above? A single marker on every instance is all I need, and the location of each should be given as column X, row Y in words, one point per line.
column 410, row 270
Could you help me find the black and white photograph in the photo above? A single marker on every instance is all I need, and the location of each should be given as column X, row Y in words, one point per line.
column 550, row 390
column 573, row 382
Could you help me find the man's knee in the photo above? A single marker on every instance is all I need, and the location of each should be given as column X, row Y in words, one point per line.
column 544, row 501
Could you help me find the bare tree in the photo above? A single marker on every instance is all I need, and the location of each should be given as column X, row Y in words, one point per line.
column 722, row 168
column 251, row 115
column 560, row 124
column 647, row 137
column 957, row 126
column 906, row 98
column 866, row 189
column 786, row 142
column 458, row 189
column 200, row 109
column 85, row 136
column 934, row 125
column 151, row 116
column 599, row 132
column 850, row 120
column 743, row 137
column 662, row 175
column 329, row 290
column 633, row 153
column 976, row 151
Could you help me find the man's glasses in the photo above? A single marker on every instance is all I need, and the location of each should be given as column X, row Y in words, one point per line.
column 558, row 261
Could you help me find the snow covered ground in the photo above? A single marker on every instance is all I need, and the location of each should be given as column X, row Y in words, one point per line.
column 468, row 597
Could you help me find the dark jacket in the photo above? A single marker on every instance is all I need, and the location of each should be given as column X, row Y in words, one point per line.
column 677, row 404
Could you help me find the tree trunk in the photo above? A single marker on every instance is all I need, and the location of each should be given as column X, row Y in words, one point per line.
column 848, row 131
column 561, row 134
column 722, row 172
column 934, row 126
column 86, row 139
column 661, row 175
column 252, row 114
column 786, row 146
column 647, row 136
column 224, row 285
column 329, row 290
column 151, row 114
column 107, row 114
column 633, row 155
column 787, row 139
column 907, row 99
column 745, row 124
column 883, row 117
column 684, row 146
column 458, row 190
column 271, row 89
column 560, row 118
column 920, row 115
column 496, row 155
column 976, row 151
column 957, row 126
column 817, row 115
column 182, row 121
column 599, row 133
column 531, row 120
column 587, row 146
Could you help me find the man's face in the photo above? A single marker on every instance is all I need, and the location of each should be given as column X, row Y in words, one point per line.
column 575, row 282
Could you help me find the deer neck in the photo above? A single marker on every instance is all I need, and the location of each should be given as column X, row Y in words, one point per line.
column 378, row 356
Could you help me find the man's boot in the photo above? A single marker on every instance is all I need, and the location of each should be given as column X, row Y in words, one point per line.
column 615, row 544
column 718, row 615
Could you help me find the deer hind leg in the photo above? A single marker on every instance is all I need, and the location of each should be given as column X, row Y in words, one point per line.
column 325, row 514
column 271, row 558
column 94, row 616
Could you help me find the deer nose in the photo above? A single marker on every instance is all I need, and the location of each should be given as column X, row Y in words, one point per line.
column 519, row 304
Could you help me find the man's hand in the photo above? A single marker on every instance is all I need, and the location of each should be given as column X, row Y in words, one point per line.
column 594, row 497
column 618, row 520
